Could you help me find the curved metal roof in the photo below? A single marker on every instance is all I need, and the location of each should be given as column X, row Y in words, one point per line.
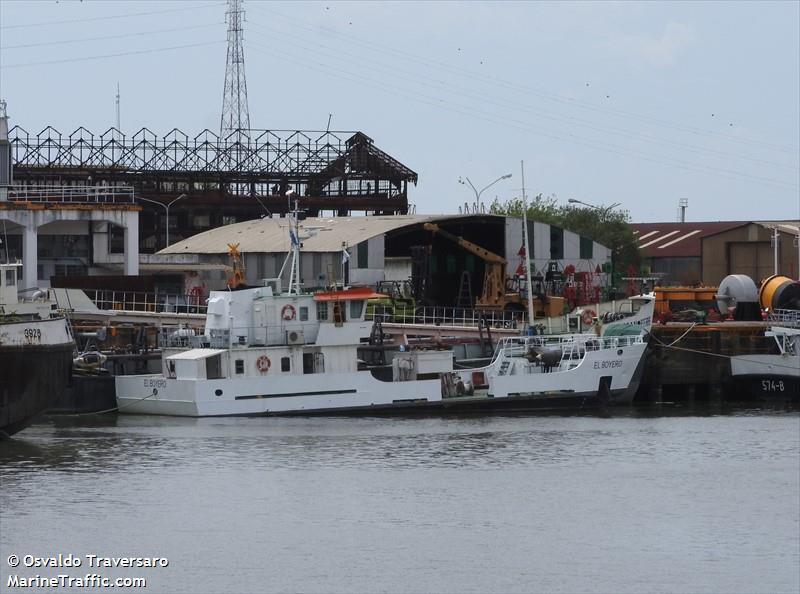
column 318, row 234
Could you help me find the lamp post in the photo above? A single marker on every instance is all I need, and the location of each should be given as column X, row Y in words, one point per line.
column 479, row 192
column 166, row 212
column 604, row 210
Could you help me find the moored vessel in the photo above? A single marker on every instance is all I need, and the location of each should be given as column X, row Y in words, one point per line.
column 775, row 374
column 265, row 351
column 35, row 354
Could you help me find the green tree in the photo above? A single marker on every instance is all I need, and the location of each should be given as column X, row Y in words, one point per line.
column 607, row 226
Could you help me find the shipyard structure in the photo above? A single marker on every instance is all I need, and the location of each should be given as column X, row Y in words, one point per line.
column 109, row 207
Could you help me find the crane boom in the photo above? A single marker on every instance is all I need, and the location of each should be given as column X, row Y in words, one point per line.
column 472, row 248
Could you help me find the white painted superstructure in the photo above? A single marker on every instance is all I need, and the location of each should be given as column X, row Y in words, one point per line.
column 266, row 352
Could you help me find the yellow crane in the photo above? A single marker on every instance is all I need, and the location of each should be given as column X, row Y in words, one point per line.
column 236, row 270
column 493, row 295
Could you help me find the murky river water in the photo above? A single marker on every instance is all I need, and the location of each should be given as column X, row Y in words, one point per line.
column 629, row 503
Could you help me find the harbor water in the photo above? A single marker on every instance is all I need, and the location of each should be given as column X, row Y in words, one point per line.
column 635, row 501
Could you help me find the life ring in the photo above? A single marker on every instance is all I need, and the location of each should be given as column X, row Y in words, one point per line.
column 263, row 363
column 587, row 316
column 288, row 312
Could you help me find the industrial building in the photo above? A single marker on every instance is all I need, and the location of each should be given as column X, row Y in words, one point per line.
column 189, row 184
column 696, row 253
column 389, row 248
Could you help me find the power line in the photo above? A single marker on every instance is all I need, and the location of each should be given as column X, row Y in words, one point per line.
column 568, row 101
column 517, row 106
column 110, row 17
column 133, row 53
column 106, row 37
column 452, row 106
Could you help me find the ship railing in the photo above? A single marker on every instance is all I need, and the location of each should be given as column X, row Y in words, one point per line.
column 238, row 336
column 571, row 346
column 785, row 317
column 191, row 303
column 445, row 316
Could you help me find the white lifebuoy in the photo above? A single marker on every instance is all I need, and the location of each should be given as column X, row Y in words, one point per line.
column 288, row 312
column 263, row 363
column 587, row 316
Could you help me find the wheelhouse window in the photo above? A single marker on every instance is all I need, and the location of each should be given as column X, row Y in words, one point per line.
column 322, row 311
column 239, row 366
column 286, row 364
column 303, row 314
column 356, row 307
column 11, row 278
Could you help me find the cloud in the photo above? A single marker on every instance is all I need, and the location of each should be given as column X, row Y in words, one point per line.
column 662, row 51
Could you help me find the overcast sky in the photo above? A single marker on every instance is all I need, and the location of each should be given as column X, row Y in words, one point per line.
column 638, row 103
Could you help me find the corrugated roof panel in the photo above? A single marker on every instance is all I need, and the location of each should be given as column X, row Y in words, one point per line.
column 272, row 235
column 662, row 238
column 688, row 247
column 646, row 235
column 681, row 238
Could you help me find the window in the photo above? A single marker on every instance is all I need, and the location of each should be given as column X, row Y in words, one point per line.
column 11, row 278
column 214, row 367
column 450, row 264
column 587, row 248
column 355, row 309
column 303, row 314
column 363, row 255
column 469, row 263
column 285, row 364
column 203, row 220
column 228, row 220
column 69, row 270
column 322, row 311
column 556, row 243
column 239, row 365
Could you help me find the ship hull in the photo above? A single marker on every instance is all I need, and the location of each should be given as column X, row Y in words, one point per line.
column 603, row 377
column 767, row 376
column 32, row 377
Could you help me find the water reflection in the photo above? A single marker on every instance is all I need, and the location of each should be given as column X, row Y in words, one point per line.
column 467, row 504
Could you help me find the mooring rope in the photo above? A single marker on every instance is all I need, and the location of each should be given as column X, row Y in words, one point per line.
column 699, row 352
column 116, row 408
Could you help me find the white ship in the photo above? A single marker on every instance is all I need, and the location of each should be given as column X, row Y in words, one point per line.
column 269, row 352
column 774, row 374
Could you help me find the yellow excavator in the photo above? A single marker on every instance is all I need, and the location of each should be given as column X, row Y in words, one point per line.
column 494, row 295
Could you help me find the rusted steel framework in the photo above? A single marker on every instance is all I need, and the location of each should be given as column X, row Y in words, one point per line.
column 337, row 171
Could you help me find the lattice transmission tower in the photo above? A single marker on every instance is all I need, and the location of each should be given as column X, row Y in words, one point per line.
column 235, row 113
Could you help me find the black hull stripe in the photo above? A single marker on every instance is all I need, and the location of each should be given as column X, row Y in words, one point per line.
column 292, row 394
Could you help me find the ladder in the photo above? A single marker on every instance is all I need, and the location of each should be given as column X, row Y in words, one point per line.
column 70, row 330
column 465, row 291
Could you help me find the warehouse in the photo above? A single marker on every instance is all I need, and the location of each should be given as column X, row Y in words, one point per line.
column 385, row 247
column 706, row 252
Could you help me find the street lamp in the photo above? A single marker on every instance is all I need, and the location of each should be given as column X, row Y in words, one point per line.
column 478, row 193
column 603, row 209
column 166, row 209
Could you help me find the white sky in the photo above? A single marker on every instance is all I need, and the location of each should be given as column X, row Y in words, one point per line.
column 637, row 103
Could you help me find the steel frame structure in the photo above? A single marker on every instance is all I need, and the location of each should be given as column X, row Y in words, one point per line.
column 331, row 170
